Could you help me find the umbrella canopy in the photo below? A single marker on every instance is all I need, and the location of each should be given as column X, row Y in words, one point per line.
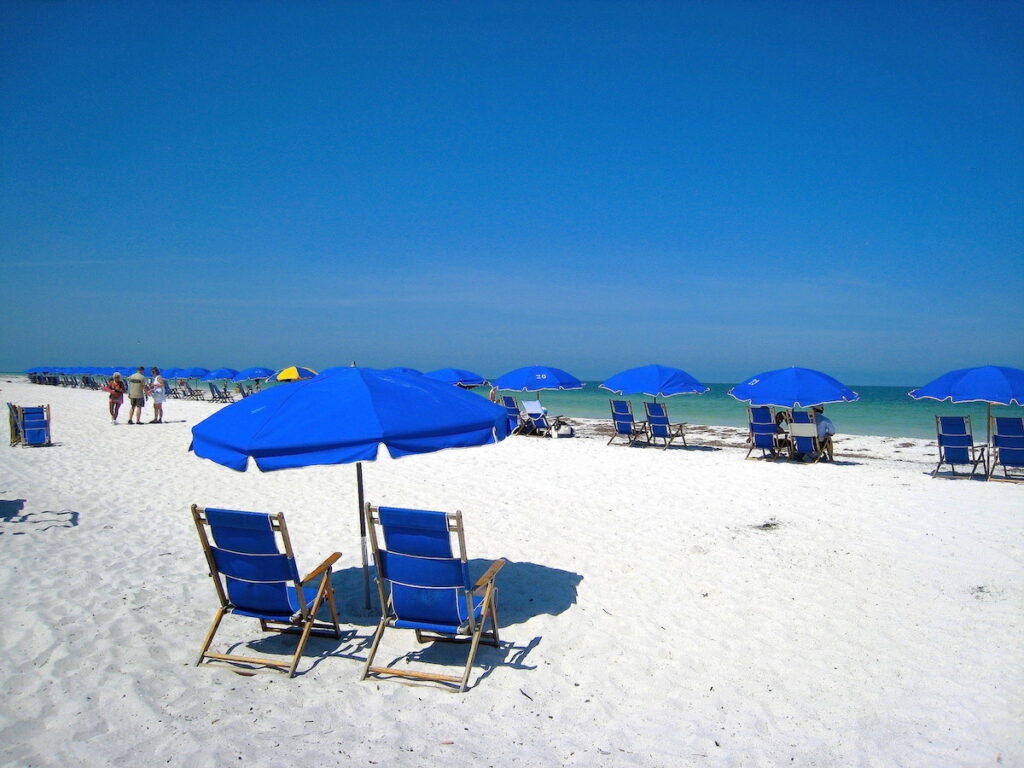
column 992, row 384
column 193, row 373
column 255, row 372
column 170, row 373
column 293, row 373
column 534, row 378
column 655, row 381
column 457, row 376
column 793, row 388
column 400, row 369
column 220, row 373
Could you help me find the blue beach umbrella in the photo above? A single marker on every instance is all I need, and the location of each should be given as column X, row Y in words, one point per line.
column 253, row 373
column 989, row 384
column 655, row 381
column 534, row 378
column 193, row 373
column 793, row 388
column 400, row 369
column 345, row 417
column 220, row 373
column 171, row 373
column 458, row 377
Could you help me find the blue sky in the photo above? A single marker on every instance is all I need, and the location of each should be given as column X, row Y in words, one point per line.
column 724, row 187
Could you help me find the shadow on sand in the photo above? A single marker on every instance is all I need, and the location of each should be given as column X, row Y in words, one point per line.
column 12, row 514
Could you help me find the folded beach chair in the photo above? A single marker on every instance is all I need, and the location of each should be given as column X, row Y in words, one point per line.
column 623, row 423
column 254, row 578
column 803, row 437
column 764, row 433
column 660, row 426
column 537, row 420
column 1007, row 448
column 515, row 417
column 219, row 395
column 29, row 426
column 956, row 446
column 191, row 394
column 424, row 586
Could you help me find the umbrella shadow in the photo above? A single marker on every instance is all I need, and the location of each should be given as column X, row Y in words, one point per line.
column 12, row 513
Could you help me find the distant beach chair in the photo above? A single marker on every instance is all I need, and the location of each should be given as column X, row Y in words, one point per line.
column 1007, row 448
column 660, row 426
column 764, row 433
column 425, row 586
column 803, row 436
column 537, row 420
column 30, row 426
column 219, row 395
column 623, row 423
column 515, row 416
column 189, row 393
column 254, row 578
column 956, row 446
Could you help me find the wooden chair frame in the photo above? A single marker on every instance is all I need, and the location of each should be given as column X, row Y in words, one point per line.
column 822, row 446
column 978, row 454
column 677, row 430
column 780, row 442
column 638, row 429
column 472, row 632
column 303, row 623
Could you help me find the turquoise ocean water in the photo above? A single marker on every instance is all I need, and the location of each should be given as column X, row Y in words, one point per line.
column 886, row 411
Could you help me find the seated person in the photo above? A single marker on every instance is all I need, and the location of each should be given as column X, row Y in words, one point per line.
column 825, row 429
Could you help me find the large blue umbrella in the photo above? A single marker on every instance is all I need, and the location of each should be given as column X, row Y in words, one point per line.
column 400, row 369
column 534, row 378
column 220, row 373
column 655, row 381
column 458, row 377
column 990, row 384
column 343, row 417
column 255, row 372
column 793, row 388
column 194, row 373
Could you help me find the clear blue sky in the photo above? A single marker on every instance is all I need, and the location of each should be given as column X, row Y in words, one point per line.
column 724, row 187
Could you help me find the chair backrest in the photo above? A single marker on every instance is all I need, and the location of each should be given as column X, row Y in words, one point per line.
column 251, row 572
column 511, row 406
column 955, row 438
column 1008, row 440
column 427, row 580
column 214, row 389
column 803, row 431
column 760, row 414
column 622, row 416
column 657, row 418
column 533, row 407
column 35, row 425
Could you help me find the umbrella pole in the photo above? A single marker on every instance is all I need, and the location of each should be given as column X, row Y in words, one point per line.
column 362, row 535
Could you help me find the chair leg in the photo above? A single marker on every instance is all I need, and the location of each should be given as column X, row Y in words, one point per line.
column 209, row 635
column 472, row 655
column 332, row 606
column 373, row 647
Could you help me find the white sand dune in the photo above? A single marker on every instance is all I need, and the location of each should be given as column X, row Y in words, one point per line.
column 660, row 608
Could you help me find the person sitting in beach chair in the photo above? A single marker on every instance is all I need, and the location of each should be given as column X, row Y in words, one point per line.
column 254, row 578
column 809, row 438
column 765, row 433
column 425, row 586
column 538, row 422
column 956, row 446
column 623, row 423
column 660, row 427
column 1007, row 448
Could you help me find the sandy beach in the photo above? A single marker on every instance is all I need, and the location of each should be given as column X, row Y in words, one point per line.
column 659, row 608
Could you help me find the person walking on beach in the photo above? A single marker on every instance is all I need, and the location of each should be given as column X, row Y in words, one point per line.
column 158, row 390
column 116, row 389
column 136, row 395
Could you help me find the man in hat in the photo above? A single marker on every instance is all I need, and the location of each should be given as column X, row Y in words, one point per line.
column 825, row 429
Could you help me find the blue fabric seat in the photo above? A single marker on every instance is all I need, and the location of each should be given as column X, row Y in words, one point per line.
column 424, row 585
column 30, row 426
column 803, row 436
column 1007, row 447
column 956, row 446
column 764, row 433
column 660, row 426
column 515, row 419
column 255, row 578
column 624, row 425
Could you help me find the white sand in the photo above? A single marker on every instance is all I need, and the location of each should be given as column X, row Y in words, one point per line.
column 647, row 619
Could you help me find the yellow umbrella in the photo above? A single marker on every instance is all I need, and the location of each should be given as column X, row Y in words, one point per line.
column 293, row 373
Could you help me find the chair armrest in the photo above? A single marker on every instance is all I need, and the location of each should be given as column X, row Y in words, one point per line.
column 489, row 574
column 324, row 566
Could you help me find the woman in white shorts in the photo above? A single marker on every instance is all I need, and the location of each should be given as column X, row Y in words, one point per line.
column 158, row 391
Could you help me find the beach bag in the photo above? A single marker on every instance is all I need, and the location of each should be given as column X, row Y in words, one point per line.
column 562, row 430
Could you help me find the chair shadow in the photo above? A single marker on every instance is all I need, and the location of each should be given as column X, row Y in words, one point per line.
column 11, row 513
column 710, row 448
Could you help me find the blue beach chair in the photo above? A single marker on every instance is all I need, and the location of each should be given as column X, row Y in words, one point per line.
column 425, row 586
column 660, row 427
column 803, row 437
column 1007, row 448
column 537, row 421
column 764, row 432
column 30, row 426
column 220, row 396
column 254, row 578
column 956, row 446
column 623, row 423
column 515, row 419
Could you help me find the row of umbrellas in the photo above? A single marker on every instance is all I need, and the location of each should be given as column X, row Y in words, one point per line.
column 291, row 373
